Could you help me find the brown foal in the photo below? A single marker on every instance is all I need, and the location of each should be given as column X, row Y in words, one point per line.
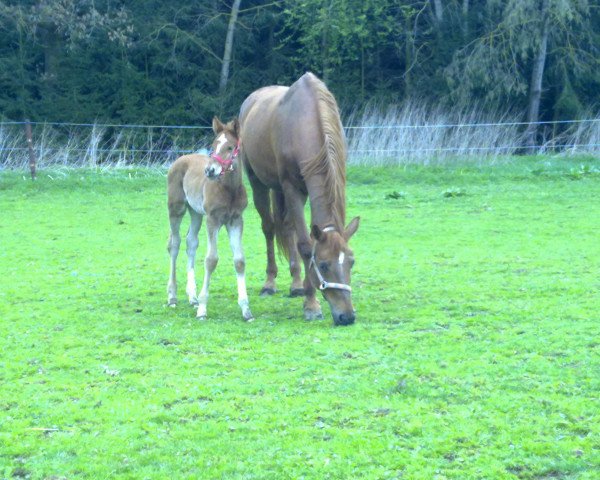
column 211, row 186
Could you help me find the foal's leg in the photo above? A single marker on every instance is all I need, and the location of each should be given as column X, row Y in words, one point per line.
column 295, row 201
column 192, row 247
column 176, row 212
column 235, row 229
column 260, row 194
column 210, row 263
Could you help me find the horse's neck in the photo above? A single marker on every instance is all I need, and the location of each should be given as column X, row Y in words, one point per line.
column 232, row 180
column 322, row 211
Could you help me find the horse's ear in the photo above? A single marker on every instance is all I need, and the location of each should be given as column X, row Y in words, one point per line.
column 236, row 127
column 351, row 228
column 217, row 125
column 316, row 233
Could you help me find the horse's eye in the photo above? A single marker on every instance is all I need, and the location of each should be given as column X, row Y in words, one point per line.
column 351, row 262
column 323, row 266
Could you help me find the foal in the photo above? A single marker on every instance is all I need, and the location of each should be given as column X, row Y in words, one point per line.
column 208, row 186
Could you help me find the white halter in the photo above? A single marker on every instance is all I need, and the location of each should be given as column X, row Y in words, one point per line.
column 324, row 284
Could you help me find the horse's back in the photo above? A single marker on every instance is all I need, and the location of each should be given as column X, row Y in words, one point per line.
column 281, row 131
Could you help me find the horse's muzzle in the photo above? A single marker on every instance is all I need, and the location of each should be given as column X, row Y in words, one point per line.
column 344, row 319
column 211, row 172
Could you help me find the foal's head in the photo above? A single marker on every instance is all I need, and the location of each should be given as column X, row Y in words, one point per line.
column 225, row 148
column 330, row 268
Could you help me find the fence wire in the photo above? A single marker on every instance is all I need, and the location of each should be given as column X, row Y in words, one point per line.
column 93, row 144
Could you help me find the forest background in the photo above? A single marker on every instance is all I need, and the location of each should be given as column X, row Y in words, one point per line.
column 179, row 63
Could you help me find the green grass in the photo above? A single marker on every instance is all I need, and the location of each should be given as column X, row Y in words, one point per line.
column 475, row 354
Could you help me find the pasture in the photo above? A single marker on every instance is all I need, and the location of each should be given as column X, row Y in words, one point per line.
column 475, row 355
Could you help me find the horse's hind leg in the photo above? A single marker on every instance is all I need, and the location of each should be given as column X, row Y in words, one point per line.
column 260, row 194
column 235, row 229
column 210, row 263
column 191, row 248
column 176, row 212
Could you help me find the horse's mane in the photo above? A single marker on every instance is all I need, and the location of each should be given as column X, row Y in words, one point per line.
column 330, row 162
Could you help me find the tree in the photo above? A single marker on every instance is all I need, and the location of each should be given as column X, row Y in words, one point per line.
column 235, row 8
column 509, row 59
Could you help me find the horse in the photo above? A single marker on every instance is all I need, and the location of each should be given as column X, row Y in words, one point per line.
column 294, row 148
column 211, row 186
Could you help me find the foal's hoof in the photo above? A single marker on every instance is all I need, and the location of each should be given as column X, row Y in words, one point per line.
column 172, row 303
column 201, row 318
column 313, row 315
column 193, row 302
column 297, row 292
column 267, row 292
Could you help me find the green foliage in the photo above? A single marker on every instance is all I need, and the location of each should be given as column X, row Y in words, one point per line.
column 158, row 62
column 454, row 192
column 567, row 106
column 475, row 353
column 395, row 195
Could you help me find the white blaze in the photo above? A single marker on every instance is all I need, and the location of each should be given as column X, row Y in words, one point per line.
column 341, row 258
column 221, row 139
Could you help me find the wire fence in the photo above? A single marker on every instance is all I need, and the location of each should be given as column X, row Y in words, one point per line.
column 369, row 141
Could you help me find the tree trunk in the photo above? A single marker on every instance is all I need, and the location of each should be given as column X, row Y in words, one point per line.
column 52, row 50
column 465, row 19
column 438, row 10
column 537, row 75
column 228, row 46
column 408, row 54
column 325, row 45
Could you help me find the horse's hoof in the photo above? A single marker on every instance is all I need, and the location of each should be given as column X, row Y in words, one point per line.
column 267, row 292
column 193, row 302
column 201, row 318
column 311, row 315
column 249, row 318
column 172, row 303
column 297, row 292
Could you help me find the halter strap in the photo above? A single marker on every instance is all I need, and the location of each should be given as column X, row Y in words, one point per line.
column 324, row 284
column 226, row 163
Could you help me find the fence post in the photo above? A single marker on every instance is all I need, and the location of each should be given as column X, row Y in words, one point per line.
column 32, row 160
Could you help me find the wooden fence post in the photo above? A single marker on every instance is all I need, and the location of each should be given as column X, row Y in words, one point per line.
column 32, row 160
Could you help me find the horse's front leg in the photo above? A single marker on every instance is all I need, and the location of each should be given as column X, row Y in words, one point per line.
column 295, row 203
column 235, row 229
column 297, row 288
column 210, row 263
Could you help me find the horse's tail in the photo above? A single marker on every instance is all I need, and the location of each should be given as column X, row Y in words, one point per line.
column 283, row 228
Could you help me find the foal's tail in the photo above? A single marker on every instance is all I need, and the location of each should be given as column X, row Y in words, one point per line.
column 284, row 232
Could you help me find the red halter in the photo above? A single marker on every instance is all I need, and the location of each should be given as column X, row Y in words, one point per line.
column 227, row 163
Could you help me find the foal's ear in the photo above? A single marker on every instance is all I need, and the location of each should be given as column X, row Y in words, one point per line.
column 236, row 127
column 316, row 233
column 351, row 228
column 217, row 125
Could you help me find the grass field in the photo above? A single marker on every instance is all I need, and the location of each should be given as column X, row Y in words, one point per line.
column 476, row 352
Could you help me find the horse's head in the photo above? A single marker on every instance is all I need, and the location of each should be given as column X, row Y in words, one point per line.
column 330, row 268
column 225, row 148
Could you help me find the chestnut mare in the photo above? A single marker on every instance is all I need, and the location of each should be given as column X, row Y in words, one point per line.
column 211, row 186
column 293, row 145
